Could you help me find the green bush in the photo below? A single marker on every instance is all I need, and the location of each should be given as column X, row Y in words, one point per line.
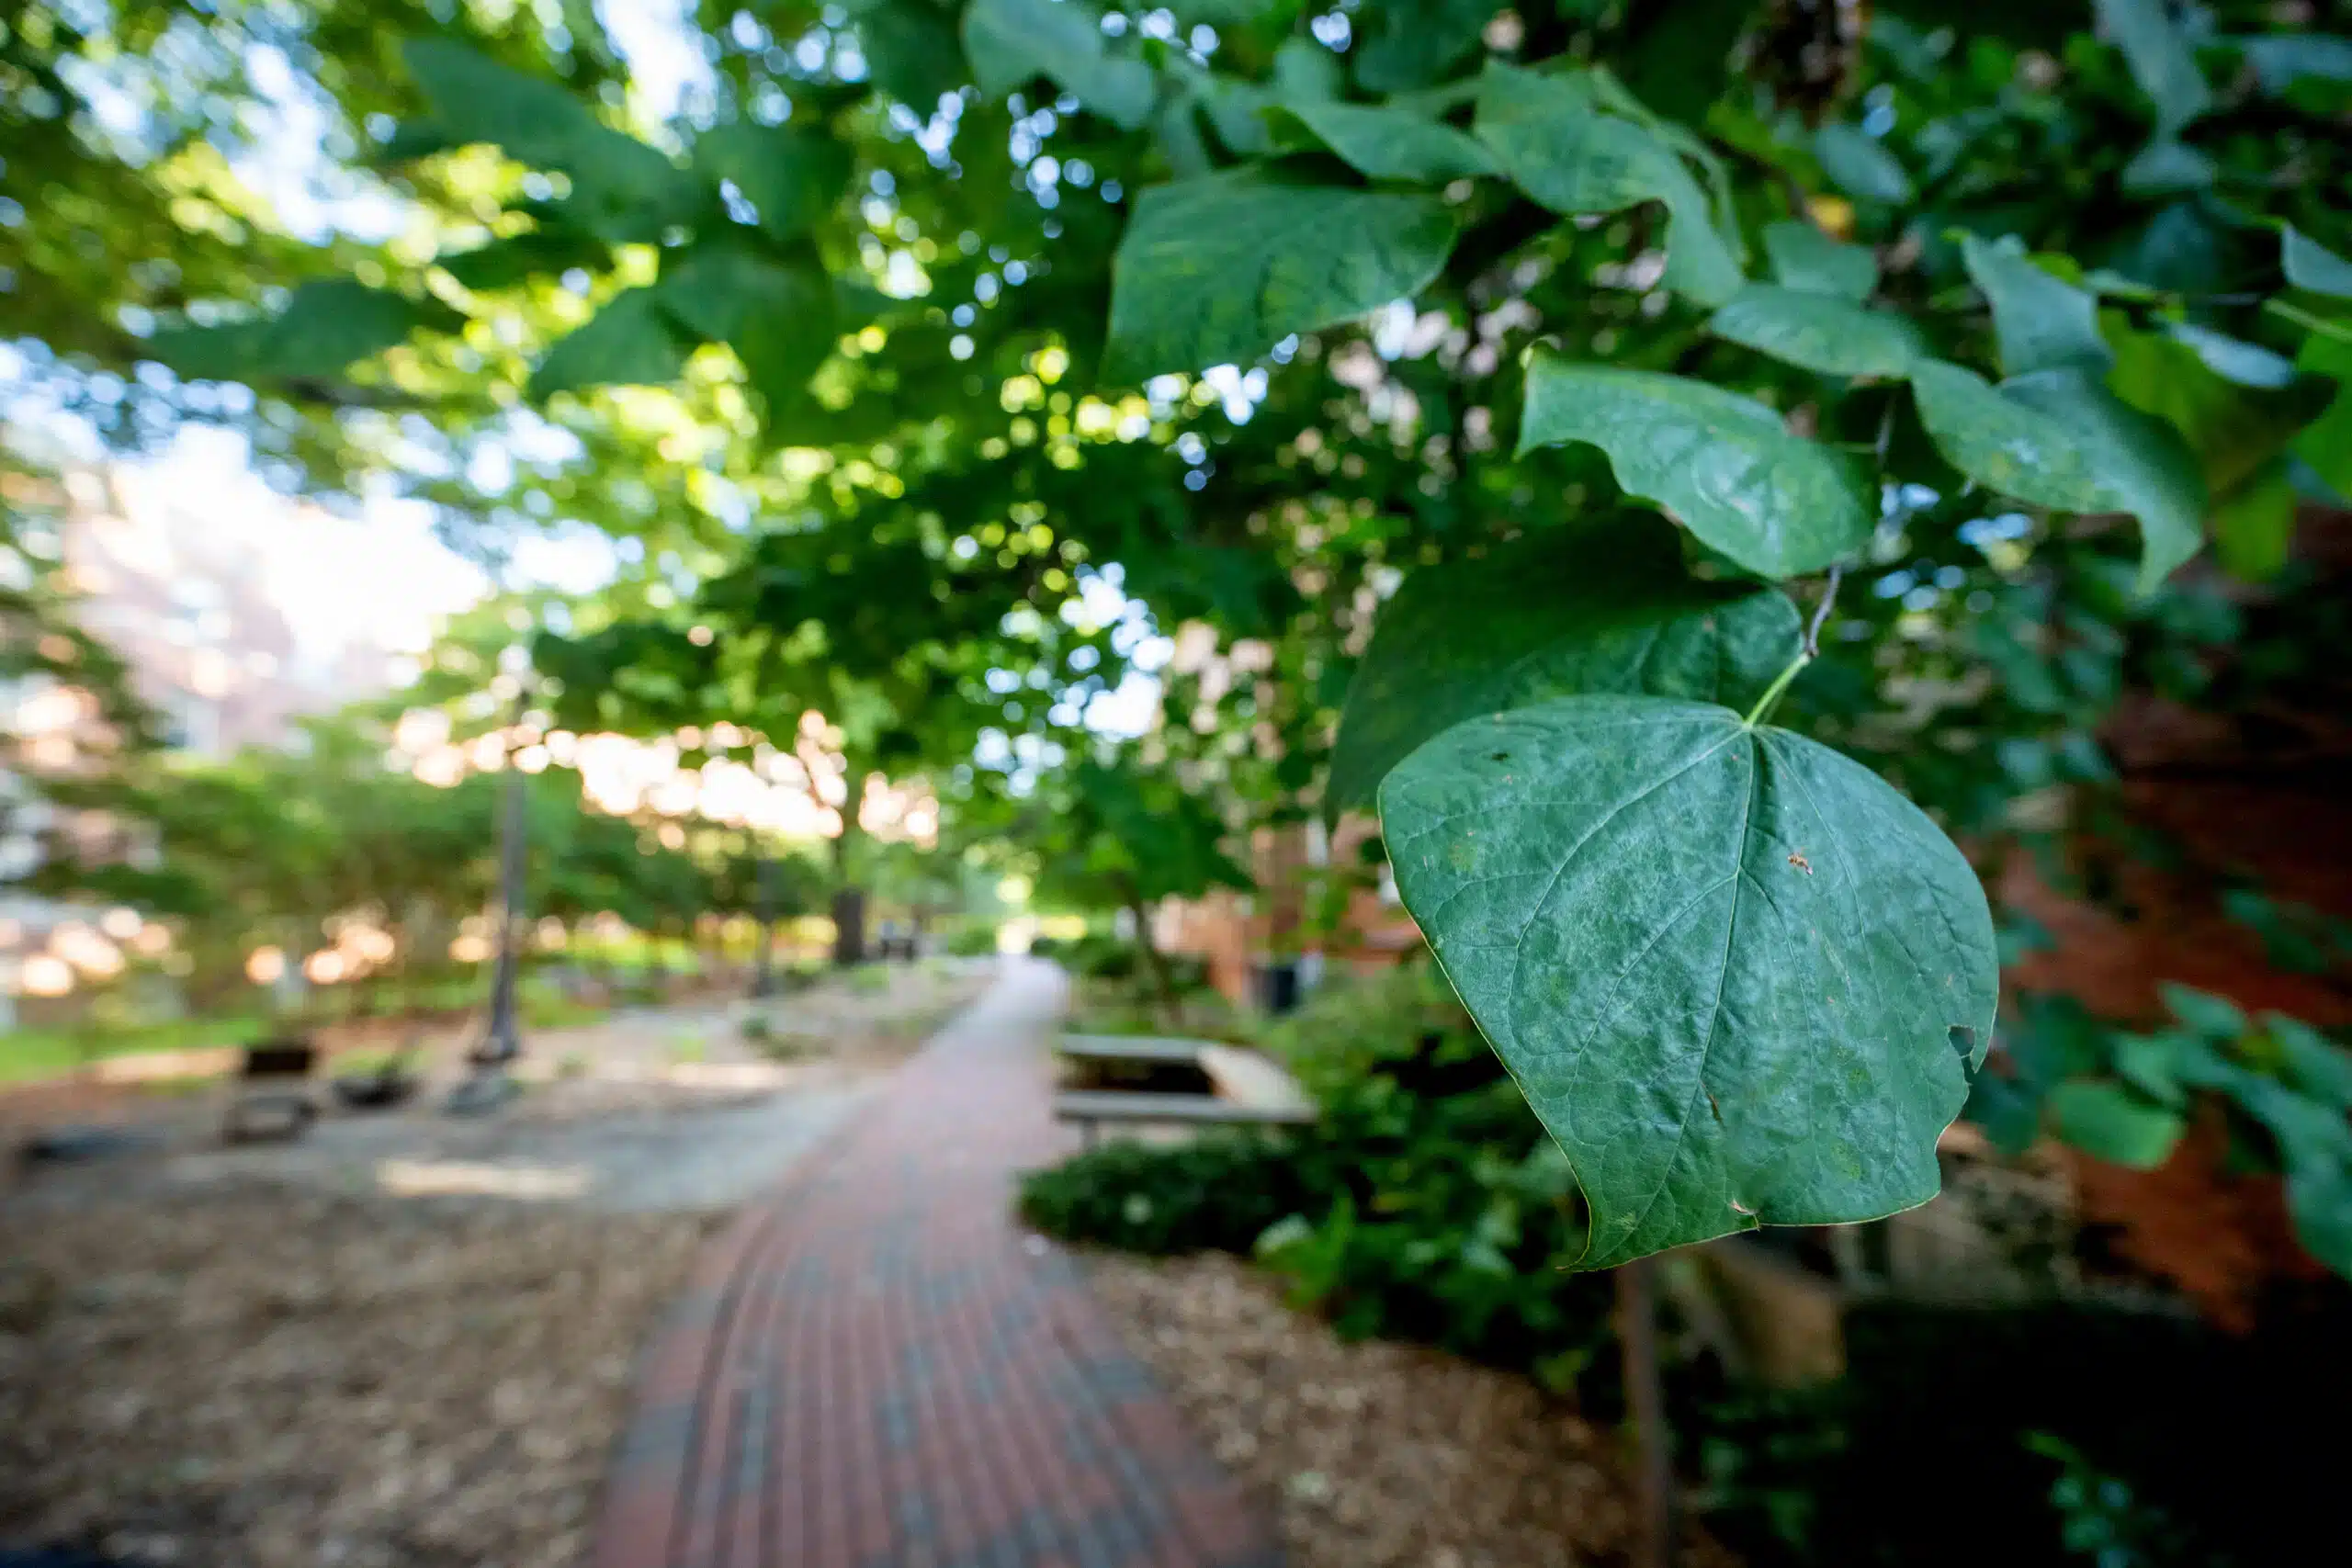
column 973, row 942
column 1426, row 1203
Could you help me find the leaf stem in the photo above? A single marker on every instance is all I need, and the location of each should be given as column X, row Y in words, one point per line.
column 2305, row 319
column 1757, row 715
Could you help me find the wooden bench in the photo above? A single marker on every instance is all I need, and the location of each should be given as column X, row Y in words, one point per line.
column 1250, row 1089
column 272, row 1096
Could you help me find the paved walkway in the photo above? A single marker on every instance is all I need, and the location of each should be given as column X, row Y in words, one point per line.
column 873, row 1368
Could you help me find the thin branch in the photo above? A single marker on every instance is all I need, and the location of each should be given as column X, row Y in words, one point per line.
column 1821, row 611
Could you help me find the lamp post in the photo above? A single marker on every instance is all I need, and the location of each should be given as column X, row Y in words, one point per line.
column 487, row 1087
column 764, row 964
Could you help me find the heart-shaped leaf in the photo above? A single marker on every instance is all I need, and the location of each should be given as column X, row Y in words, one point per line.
column 1558, row 614
column 2061, row 439
column 1741, row 979
column 1819, row 331
column 1215, row 271
column 1804, row 257
column 1776, row 503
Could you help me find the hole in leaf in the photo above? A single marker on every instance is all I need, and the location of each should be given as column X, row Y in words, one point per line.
column 1743, row 1208
column 1500, row 757
column 1963, row 1044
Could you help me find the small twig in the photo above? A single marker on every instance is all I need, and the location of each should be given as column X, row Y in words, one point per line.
column 1821, row 611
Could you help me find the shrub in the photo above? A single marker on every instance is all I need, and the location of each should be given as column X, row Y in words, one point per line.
column 1426, row 1203
column 973, row 942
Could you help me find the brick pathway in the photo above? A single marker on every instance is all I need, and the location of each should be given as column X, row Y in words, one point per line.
column 872, row 1369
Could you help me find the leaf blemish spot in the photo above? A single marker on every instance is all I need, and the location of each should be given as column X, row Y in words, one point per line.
column 1742, row 1208
column 1797, row 859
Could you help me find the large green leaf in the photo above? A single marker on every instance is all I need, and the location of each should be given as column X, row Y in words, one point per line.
column 1804, row 257
column 1777, row 503
column 1560, row 612
column 1818, row 332
column 1012, row 42
column 2043, row 322
column 1859, row 165
column 1557, row 143
column 2160, row 56
column 1387, row 144
column 2254, row 526
column 1215, row 271
column 2060, row 439
column 327, row 326
column 629, row 342
column 793, row 177
column 1742, row 980
column 622, row 189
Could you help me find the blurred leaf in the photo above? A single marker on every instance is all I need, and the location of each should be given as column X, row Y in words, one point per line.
column 622, row 189
column 1013, row 43
column 1552, row 136
column 777, row 315
column 1804, row 257
column 2162, row 61
column 2110, row 1122
column 1605, row 608
column 913, row 52
column 328, row 325
column 1175, row 304
column 2235, row 423
column 1860, row 165
column 2281, row 59
column 2310, row 264
column 2326, row 443
column 540, row 253
column 629, row 342
column 1777, row 503
column 2254, row 526
column 1401, row 44
column 794, row 177
column 1390, row 143
column 2057, row 438
column 2043, row 322
column 1818, row 332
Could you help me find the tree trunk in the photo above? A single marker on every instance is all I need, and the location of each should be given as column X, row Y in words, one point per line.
column 1155, row 963
column 848, row 901
column 764, row 961
column 1652, row 1543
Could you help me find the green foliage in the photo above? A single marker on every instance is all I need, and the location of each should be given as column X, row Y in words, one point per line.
column 2128, row 1098
column 1425, row 1204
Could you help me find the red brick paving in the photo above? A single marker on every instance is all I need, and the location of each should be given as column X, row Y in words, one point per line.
column 874, row 1367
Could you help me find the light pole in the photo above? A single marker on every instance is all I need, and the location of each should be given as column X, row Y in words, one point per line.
column 763, row 966
column 488, row 1085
